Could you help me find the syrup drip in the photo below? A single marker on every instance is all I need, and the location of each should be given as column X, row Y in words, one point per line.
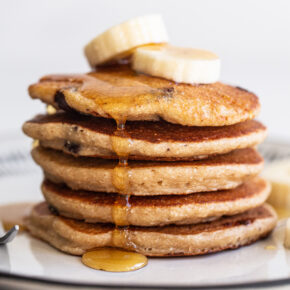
column 121, row 209
column 121, row 146
column 114, row 260
column 14, row 214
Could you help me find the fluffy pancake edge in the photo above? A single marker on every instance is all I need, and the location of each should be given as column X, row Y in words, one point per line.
column 226, row 233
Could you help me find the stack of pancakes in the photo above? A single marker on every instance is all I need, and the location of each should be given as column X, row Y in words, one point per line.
column 145, row 164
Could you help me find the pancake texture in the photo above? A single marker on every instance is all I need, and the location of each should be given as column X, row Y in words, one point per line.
column 151, row 178
column 156, row 211
column 90, row 136
column 76, row 237
column 118, row 92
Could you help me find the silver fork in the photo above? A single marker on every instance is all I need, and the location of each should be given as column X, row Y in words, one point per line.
column 10, row 235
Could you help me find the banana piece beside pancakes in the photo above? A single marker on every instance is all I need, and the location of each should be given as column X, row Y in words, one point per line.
column 278, row 173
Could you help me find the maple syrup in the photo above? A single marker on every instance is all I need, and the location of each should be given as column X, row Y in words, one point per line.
column 114, row 260
column 14, row 214
column 120, row 178
column 115, row 94
column 121, row 209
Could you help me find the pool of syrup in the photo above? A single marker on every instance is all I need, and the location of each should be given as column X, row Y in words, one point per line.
column 113, row 260
column 14, row 214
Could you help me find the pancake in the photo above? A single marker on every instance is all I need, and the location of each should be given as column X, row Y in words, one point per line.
column 156, row 210
column 89, row 136
column 150, row 178
column 76, row 237
column 118, row 92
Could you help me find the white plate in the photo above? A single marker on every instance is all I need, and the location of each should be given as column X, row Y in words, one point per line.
column 29, row 260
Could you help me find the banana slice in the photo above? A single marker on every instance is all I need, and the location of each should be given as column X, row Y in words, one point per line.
column 287, row 234
column 50, row 110
column 278, row 173
column 119, row 41
column 185, row 65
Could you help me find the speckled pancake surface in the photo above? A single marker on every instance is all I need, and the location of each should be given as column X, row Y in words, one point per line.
column 151, row 178
column 120, row 93
column 90, row 136
column 76, row 237
column 155, row 210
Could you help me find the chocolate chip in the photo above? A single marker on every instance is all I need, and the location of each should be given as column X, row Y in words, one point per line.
column 59, row 98
column 72, row 147
column 53, row 210
column 242, row 89
column 168, row 90
column 245, row 222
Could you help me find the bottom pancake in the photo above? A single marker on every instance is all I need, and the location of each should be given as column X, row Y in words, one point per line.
column 96, row 207
column 76, row 237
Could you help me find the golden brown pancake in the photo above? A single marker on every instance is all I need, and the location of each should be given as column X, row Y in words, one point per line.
column 151, row 178
column 120, row 93
column 98, row 207
column 76, row 237
column 90, row 136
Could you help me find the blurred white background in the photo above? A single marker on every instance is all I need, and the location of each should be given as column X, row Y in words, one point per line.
column 252, row 37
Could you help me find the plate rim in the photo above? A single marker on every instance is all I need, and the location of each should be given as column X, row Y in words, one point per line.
column 40, row 281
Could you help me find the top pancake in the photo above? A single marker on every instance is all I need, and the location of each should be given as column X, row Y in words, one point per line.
column 118, row 92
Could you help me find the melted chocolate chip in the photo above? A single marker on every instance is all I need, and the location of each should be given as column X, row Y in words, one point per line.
column 245, row 222
column 168, row 90
column 53, row 210
column 242, row 89
column 59, row 98
column 72, row 147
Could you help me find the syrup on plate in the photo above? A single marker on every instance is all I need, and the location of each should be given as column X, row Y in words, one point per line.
column 114, row 260
column 14, row 214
